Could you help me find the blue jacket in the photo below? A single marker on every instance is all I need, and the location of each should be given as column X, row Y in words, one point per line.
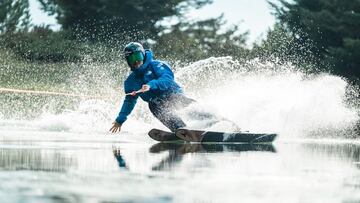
column 157, row 75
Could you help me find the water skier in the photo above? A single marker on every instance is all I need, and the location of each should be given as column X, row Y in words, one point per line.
column 153, row 81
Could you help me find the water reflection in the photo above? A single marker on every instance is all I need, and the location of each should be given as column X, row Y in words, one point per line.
column 182, row 148
column 96, row 172
column 345, row 151
column 177, row 150
column 35, row 160
column 119, row 158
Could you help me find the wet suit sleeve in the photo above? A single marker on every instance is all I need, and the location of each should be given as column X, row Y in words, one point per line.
column 165, row 78
column 127, row 107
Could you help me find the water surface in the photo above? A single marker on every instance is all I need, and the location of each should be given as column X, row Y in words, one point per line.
column 64, row 167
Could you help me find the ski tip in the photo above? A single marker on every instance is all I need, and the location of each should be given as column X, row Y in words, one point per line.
column 154, row 134
column 153, row 131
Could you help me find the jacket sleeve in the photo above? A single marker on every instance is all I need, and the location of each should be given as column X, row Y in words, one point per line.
column 129, row 102
column 165, row 77
column 126, row 109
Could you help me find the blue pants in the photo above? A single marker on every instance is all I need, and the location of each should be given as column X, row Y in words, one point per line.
column 164, row 110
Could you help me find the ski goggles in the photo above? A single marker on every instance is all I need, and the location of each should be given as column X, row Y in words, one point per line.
column 134, row 57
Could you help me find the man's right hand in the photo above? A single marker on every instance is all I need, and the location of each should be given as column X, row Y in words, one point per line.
column 116, row 127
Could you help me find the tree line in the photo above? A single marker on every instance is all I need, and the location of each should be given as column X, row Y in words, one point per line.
column 323, row 33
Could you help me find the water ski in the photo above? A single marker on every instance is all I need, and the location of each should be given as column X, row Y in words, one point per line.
column 162, row 136
column 210, row 136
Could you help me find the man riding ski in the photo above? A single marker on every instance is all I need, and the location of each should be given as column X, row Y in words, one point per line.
column 153, row 81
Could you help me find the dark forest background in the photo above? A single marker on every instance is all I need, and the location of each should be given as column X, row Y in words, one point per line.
column 324, row 34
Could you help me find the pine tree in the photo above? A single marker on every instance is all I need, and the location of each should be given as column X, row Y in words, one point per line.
column 14, row 16
column 201, row 39
column 110, row 18
column 331, row 25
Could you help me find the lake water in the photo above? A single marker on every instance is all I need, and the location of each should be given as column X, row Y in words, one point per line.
column 65, row 167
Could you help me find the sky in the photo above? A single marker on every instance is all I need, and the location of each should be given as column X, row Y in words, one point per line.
column 251, row 15
column 39, row 17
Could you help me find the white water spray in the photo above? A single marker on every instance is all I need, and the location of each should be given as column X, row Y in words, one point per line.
column 256, row 96
column 263, row 97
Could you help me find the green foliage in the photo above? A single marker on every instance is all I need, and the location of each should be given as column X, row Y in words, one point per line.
column 278, row 43
column 281, row 46
column 42, row 44
column 333, row 28
column 14, row 15
column 90, row 74
column 191, row 41
column 16, row 73
column 112, row 18
column 347, row 58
